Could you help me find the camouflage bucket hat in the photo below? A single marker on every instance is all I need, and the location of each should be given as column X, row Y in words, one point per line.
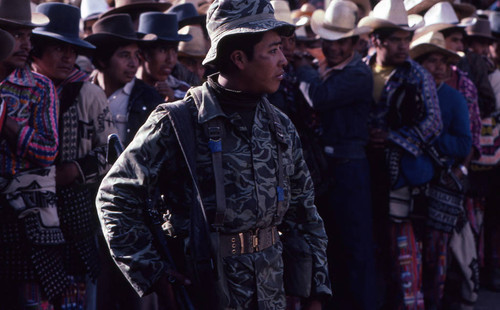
column 229, row 17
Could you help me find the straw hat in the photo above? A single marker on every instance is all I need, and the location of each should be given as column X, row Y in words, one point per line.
column 91, row 9
column 439, row 17
column 365, row 5
column 197, row 47
column 390, row 14
column 18, row 13
column 136, row 6
column 63, row 26
column 227, row 17
column 481, row 28
column 431, row 42
column 6, row 44
column 116, row 27
column 462, row 10
column 337, row 22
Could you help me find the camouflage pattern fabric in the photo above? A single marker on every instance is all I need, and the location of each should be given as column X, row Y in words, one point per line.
column 154, row 159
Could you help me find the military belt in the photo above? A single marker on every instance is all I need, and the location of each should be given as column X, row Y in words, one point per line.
column 248, row 242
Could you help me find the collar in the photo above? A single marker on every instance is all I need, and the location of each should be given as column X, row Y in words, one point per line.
column 348, row 62
column 127, row 89
column 22, row 77
column 76, row 75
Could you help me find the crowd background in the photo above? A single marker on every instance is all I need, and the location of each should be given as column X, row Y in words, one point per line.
column 108, row 64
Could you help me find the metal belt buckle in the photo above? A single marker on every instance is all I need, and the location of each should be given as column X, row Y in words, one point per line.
column 255, row 240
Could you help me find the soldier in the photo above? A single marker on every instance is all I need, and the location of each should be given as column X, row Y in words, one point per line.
column 263, row 185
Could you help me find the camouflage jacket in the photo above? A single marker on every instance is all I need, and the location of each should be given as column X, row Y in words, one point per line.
column 153, row 159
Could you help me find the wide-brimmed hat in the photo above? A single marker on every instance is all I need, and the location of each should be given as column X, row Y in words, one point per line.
column 282, row 11
column 391, row 14
column 365, row 5
column 186, row 14
column 197, row 47
column 18, row 13
column 6, row 44
column 91, row 9
column 480, row 29
column 439, row 17
column 136, row 7
column 226, row 18
column 116, row 27
column 462, row 10
column 337, row 22
column 63, row 26
column 431, row 42
column 163, row 25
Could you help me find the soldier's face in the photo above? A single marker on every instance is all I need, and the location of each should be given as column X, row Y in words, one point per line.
column 57, row 61
column 160, row 60
column 22, row 48
column 263, row 74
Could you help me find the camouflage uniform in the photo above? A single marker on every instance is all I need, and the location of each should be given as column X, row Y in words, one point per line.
column 249, row 161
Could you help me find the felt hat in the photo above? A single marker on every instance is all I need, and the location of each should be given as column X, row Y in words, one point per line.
column 197, row 47
column 337, row 22
column 432, row 42
column 116, row 27
column 186, row 14
column 391, row 14
column 226, row 18
column 6, row 44
column 136, row 6
column 163, row 25
column 63, row 25
column 18, row 13
column 481, row 28
column 441, row 16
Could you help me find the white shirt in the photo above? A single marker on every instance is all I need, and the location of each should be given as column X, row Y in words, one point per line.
column 118, row 104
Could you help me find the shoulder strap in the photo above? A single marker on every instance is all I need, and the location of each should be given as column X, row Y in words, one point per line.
column 68, row 96
column 277, row 128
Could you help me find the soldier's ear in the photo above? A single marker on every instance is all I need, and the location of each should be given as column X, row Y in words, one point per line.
column 238, row 58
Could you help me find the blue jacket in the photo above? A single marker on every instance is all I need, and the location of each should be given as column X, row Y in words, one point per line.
column 455, row 140
column 344, row 98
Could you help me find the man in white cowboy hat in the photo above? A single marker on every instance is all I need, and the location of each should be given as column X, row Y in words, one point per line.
column 247, row 172
column 160, row 56
column 29, row 141
column 335, row 94
column 454, row 144
column 405, row 117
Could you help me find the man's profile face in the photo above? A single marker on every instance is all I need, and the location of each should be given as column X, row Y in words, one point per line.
column 22, row 47
column 265, row 71
column 57, row 62
column 395, row 49
column 160, row 60
column 123, row 65
column 455, row 42
column 336, row 52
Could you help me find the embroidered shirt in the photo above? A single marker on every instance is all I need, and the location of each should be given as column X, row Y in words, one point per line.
column 31, row 101
column 430, row 126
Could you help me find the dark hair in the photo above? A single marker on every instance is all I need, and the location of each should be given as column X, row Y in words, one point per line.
column 449, row 31
column 244, row 42
column 105, row 51
column 383, row 33
column 40, row 44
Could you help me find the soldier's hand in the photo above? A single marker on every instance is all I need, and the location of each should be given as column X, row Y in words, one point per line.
column 164, row 288
column 292, row 303
column 313, row 305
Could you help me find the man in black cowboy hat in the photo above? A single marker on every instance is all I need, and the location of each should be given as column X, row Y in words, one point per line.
column 85, row 122
column 160, row 56
column 246, row 170
column 28, row 142
column 116, row 60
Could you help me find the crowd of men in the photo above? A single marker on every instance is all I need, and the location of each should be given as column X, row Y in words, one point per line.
column 249, row 154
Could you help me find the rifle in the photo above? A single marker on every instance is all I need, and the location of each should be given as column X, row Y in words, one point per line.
column 154, row 218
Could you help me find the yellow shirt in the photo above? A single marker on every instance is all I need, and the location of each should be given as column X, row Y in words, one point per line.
column 380, row 76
